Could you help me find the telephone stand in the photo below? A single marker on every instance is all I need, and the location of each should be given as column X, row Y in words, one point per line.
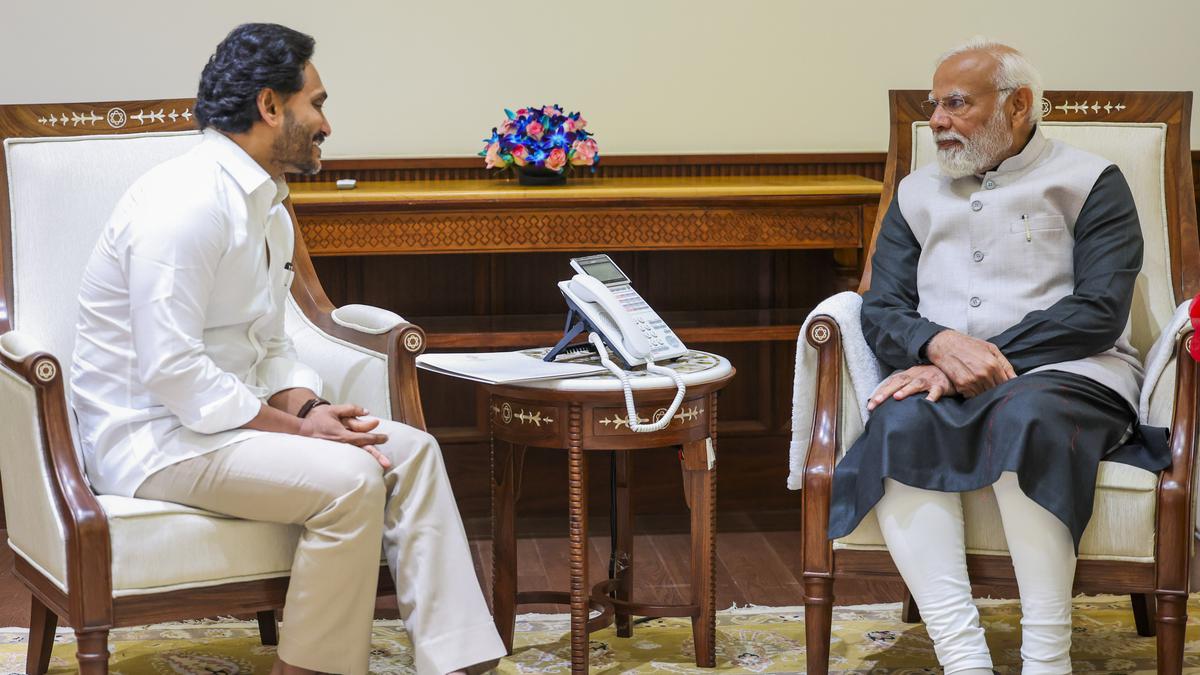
column 577, row 324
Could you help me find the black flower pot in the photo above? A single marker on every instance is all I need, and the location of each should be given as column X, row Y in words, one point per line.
column 539, row 175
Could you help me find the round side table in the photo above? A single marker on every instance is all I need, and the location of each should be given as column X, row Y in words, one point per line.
column 587, row 414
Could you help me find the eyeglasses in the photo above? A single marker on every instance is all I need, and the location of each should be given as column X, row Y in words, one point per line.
column 954, row 104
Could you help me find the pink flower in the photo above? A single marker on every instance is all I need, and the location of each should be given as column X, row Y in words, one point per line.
column 557, row 159
column 493, row 160
column 519, row 154
column 552, row 110
column 535, row 130
column 584, row 153
column 580, row 123
column 507, row 127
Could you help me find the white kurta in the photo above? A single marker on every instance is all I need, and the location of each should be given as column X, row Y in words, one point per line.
column 180, row 331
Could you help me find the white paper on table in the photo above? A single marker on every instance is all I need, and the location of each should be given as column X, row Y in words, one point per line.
column 503, row 367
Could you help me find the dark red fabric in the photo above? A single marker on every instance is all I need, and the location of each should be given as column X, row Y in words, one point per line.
column 1194, row 313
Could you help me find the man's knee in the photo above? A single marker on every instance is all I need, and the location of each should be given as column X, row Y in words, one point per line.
column 354, row 476
column 1030, row 408
column 408, row 444
column 906, row 418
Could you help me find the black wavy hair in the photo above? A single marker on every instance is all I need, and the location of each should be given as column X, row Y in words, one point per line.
column 253, row 57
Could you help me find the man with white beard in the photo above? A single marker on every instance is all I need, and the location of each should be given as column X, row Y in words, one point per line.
column 1000, row 293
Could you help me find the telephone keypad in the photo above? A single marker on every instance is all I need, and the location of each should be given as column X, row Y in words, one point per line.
column 656, row 331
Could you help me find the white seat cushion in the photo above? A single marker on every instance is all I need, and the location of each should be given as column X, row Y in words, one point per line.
column 1121, row 528
column 159, row 546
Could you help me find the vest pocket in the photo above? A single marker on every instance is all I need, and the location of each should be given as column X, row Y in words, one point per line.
column 1029, row 224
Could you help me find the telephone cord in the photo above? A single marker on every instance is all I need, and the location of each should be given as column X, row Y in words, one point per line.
column 633, row 419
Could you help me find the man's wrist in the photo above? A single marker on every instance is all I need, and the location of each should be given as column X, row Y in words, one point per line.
column 309, row 405
column 923, row 352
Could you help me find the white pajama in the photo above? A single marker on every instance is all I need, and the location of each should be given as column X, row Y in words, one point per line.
column 925, row 535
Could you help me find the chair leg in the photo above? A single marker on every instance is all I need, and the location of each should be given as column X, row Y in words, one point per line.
column 818, row 623
column 268, row 628
column 42, row 623
column 1172, row 620
column 92, row 651
column 1143, row 613
column 909, row 612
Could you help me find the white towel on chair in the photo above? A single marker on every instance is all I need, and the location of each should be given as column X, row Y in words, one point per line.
column 864, row 370
column 1158, row 358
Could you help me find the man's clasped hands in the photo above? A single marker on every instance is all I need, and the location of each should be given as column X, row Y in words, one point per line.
column 958, row 365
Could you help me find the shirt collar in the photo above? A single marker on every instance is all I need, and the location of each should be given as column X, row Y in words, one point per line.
column 247, row 173
column 1027, row 156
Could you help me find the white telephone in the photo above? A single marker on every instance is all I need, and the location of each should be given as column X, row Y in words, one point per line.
column 617, row 316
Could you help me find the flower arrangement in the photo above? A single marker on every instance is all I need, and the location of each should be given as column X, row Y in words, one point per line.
column 541, row 136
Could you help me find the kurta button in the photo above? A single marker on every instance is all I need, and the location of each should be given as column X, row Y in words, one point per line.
column 975, row 302
column 976, row 205
column 977, row 256
column 990, row 184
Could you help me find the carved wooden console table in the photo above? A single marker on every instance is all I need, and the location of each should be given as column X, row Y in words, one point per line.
column 481, row 216
column 594, row 214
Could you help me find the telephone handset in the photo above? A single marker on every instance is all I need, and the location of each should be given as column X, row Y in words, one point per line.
column 611, row 318
column 617, row 316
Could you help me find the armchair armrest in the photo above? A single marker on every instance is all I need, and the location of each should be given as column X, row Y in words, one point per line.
column 1177, row 484
column 823, row 335
column 857, row 368
column 40, row 464
column 370, row 328
column 366, row 319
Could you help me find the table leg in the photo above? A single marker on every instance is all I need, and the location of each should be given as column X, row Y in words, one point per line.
column 577, row 495
column 700, row 481
column 507, row 462
column 623, row 556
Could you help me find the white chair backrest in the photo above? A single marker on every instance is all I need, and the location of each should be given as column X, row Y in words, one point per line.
column 61, row 192
column 1140, row 152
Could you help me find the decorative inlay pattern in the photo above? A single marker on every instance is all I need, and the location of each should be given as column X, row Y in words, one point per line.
column 45, row 370
column 413, row 342
column 533, row 417
column 575, row 230
column 820, row 334
column 683, row 416
column 1085, row 107
column 617, row 421
column 115, row 117
column 692, row 362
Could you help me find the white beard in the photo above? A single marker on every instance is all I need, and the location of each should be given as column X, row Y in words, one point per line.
column 978, row 153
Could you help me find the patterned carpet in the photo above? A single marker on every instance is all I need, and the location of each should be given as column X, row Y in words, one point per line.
column 868, row 640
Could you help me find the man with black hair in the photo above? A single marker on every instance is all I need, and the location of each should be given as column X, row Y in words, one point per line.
column 188, row 390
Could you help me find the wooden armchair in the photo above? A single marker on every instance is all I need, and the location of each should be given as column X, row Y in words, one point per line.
column 1140, row 537
column 101, row 561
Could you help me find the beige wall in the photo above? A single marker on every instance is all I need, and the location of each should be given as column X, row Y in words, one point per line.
column 652, row 76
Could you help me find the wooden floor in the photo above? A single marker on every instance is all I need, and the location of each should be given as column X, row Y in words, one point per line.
column 757, row 563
